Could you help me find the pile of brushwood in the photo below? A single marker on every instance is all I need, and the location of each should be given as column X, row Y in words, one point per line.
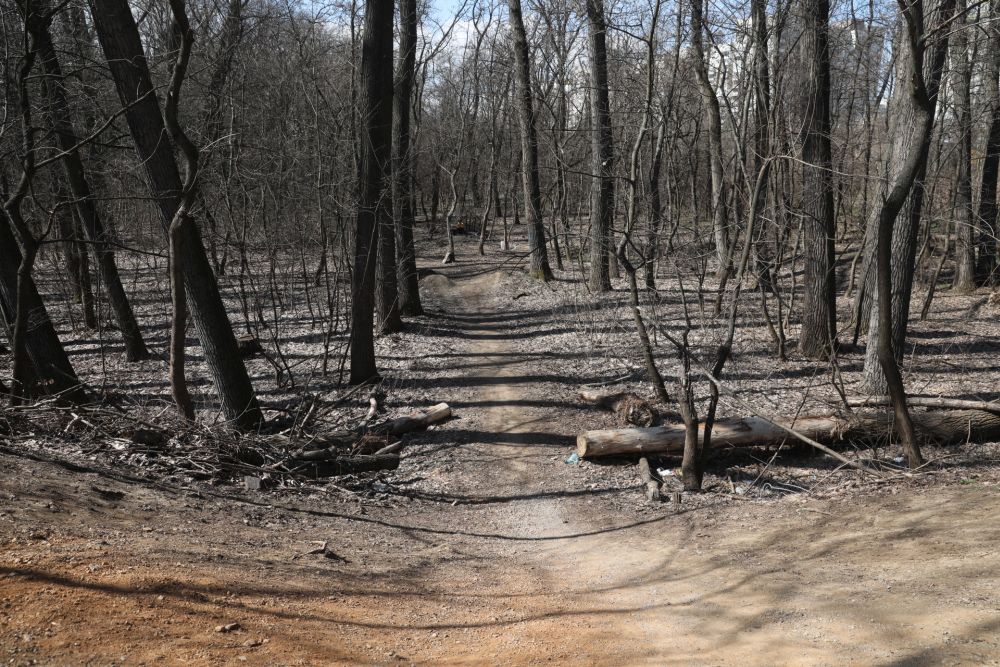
column 165, row 446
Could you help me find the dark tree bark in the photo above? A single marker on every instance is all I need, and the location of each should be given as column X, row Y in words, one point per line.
column 375, row 181
column 539, row 259
column 119, row 39
column 37, row 21
column 602, row 152
column 965, row 247
column 50, row 367
column 989, row 212
column 402, row 167
column 819, row 311
column 387, row 292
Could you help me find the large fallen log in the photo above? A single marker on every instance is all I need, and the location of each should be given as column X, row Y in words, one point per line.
column 944, row 427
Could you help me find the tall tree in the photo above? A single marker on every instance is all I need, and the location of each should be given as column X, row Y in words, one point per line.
column 37, row 19
column 819, row 311
column 989, row 212
column 402, row 161
column 965, row 246
column 710, row 105
column 924, row 47
column 374, row 181
column 539, row 258
column 119, row 39
column 602, row 151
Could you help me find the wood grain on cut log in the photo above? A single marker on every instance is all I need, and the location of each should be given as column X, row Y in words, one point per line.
column 630, row 408
column 939, row 427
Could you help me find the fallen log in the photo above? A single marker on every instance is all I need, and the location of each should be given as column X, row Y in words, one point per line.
column 946, row 427
column 415, row 421
column 652, row 486
column 630, row 408
column 346, row 465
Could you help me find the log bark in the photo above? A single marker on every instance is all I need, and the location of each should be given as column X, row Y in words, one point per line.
column 415, row 421
column 652, row 486
column 947, row 427
column 348, row 465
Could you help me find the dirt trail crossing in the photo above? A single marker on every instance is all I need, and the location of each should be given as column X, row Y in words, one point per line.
column 513, row 563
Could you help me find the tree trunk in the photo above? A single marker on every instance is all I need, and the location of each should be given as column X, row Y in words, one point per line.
column 896, row 252
column 375, row 181
column 37, row 23
column 965, row 248
column 539, row 260
column 119, row 38
column 989, row 212
column 710, row 104
column 819, row 311
column 402, row 184
column 602, row 152
column 913, row 123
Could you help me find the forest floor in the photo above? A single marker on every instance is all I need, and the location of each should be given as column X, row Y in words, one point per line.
column 487, row 547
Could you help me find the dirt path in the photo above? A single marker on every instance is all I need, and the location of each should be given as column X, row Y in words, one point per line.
column 515, row 558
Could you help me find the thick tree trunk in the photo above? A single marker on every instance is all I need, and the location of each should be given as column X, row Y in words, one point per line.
column 539, row 259
column 819, row 311
column 402, row 172
column 989, row 212
column 375, row 181
column 949, row 427
column 119, row 38
column 602, row 152
column 907, row 165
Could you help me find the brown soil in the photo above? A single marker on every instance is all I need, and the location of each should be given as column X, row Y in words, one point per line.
column 490, row 549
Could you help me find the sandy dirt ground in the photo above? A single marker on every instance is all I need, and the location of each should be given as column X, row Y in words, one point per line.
column 501, row 553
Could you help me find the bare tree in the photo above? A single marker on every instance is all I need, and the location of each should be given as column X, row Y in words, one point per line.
column 402, row 161
column 119, row 39
column 37, row 19
column 602, row 198
column 375, row 181
column 539, row 259
column 819, row 312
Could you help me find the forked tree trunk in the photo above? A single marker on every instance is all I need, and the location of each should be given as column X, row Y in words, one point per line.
column 914, row 119
column 119, row 38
